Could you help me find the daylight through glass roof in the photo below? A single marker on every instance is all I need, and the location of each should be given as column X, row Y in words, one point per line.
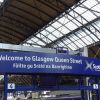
column 78, row 27
column 1, row 1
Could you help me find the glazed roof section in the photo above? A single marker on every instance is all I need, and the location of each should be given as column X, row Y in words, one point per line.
column 75, row 28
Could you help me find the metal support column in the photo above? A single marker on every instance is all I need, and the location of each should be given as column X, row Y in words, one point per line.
column 5, row 86
column 98, row 93
column 82, row 91
column 98, row 90
column 86, row 81
column 82, row 95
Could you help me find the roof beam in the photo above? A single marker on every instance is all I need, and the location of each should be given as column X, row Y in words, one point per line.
column 17, row 21
column 22, row 17
column 9, row 35
column 35, row 8
column 46, row 4
column 23, row 32
column 9, row 28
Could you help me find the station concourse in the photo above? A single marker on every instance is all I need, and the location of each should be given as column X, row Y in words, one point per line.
column 49, row 50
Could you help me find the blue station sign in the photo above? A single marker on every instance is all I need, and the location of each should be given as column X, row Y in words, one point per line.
column 33, row 62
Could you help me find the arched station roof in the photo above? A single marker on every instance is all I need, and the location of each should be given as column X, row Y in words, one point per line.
column 75, row 28
column 51, row 23
column 20, row 19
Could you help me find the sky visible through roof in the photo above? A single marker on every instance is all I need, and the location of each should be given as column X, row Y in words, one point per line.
column 1, row 0
column 73, row 25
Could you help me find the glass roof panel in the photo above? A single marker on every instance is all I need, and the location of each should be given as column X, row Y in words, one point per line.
column 61, row 44
column 97, row 9
column 97, row 23
column 1, row 1
column 74, row 37
column 80, row 10
column 63, row 20
column 40, row 43
column 92, row 28
column 81, row 33
column 67, row 41
column 96, row 26
column 29, row 41
column 35, row 39
column 88, row 38
column 98, row 34
column 47, row 40
column 25, row 44
column 95, row 38
column 40, row 35
column 73, row 28
column 72, row 46
column 56, row 24
column 64, row 30
column 69, row 17
column 78, row 44
column 71, row 25
column 76, row 22
column 88, row 16
column 86, row 41
column 81, row 20
column 52, row 37
column 87, row 31
column 44, row 32
column 57, row 33
column 90, row 3
column 81, row 42
column 50, row 29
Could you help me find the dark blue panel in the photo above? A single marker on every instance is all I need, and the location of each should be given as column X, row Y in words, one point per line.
column 46, row 80
column 53, row 88
column 65, row 98
column 31, row 62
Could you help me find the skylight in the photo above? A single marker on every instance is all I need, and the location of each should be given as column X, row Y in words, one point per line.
column 60, row 33
column 1, row 1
